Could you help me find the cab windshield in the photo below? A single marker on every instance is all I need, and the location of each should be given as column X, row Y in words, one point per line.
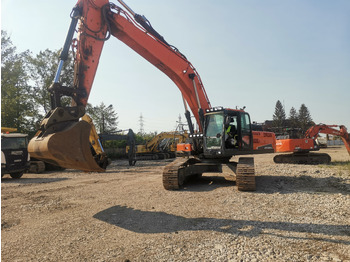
column 13, row 143
column 214, row 129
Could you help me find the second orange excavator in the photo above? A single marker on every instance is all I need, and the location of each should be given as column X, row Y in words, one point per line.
column 301, row 148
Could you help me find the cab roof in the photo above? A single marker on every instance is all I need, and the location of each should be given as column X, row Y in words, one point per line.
column 13, row 135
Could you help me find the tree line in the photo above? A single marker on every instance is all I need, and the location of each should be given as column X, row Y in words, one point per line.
column 300, row 119
column 25, row 98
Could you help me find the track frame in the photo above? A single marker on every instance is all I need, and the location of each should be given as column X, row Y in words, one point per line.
column 176, row 173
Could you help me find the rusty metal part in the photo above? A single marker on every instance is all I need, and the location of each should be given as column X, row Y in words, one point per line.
column 68, row 148
column 245, row 174
column 306, row 158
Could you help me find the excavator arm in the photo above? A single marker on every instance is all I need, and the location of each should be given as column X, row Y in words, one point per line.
column 314, row 131
column 345, row 137
column 101, row 19
column 63, row 137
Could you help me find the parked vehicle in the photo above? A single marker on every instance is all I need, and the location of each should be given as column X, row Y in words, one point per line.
column 15, row 159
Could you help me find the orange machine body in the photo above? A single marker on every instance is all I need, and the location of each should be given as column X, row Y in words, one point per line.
column 295, row 145
column 262, row 140
column 185, row 147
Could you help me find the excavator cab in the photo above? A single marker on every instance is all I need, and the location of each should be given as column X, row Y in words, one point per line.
column 227, row 132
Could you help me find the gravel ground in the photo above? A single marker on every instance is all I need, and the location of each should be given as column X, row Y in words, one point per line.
column 298, row 213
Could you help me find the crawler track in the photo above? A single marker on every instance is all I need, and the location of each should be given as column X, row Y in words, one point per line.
column 37, row 167
column 176, row 172
column 171, row 180
column 245, row 174
column 307, row 158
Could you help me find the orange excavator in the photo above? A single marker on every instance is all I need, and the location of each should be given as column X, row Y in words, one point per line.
column 63, row 138
column 302, row 147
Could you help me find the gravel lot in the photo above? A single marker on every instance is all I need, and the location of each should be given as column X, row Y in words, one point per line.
column 298, row 213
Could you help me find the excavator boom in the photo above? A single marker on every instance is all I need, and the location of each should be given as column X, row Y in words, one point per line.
column 167, row 59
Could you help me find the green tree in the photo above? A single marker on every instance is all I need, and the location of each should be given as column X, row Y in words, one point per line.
column 43, row 69
column 104, row 117
column 16, row 102
column 293, row 118
column 304, row 118
column 279, row 116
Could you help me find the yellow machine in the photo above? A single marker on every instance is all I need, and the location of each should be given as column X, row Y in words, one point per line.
column 8, row 129
column 160, row 146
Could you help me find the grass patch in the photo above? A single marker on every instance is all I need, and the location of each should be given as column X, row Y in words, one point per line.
column 343, row 165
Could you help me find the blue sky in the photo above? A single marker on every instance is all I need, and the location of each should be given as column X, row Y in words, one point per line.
column 248, row 53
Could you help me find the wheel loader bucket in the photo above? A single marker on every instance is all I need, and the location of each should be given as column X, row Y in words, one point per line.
column 69, row 148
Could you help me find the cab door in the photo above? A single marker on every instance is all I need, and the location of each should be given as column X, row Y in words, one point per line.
column 246, row 136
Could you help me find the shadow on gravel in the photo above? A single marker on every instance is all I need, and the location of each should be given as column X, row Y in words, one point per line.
column 23, row 180
column 207, row 183
column 141, row 163
column 152, row 222
column 306, row 184
column 123, row 166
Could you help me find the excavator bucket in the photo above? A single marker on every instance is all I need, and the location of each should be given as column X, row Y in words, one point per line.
column 69, row 148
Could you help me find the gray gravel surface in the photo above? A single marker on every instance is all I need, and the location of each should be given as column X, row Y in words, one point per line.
column 298, row 213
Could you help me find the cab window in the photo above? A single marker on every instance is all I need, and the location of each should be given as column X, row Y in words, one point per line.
column 245, row 123
column 13, row 142
column 214, row 125
column 214, row 130
column 246, row 131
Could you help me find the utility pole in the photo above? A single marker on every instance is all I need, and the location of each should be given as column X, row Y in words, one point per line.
column 141, row 121
column 180, row 122
column 103, row 123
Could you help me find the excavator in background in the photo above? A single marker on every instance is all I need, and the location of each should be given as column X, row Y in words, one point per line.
column 161, row 146
column 222, row 132
column 127, row 136
column 301, row 148
column 342, row 132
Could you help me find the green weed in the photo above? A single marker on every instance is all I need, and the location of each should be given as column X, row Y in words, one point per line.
column 340, row 165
